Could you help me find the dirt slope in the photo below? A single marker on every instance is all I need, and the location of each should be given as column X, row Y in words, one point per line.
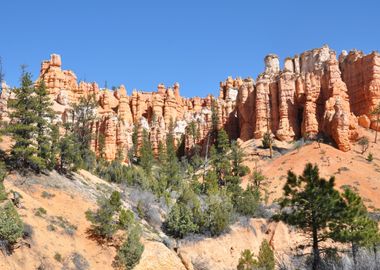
column 55, row 233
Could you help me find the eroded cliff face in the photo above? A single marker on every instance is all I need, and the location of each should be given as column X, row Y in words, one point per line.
column 361, row 73
column 312, row 94
column 118, row 114
column 306, row 98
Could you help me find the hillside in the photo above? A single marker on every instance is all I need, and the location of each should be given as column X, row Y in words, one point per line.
column 64, row 229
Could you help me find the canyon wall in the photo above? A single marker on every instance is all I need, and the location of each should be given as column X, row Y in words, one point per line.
column 315, row 93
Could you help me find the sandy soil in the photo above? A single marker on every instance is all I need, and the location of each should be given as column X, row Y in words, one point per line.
column 64, row 210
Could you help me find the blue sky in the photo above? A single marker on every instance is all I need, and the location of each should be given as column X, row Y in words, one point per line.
column 197, row 43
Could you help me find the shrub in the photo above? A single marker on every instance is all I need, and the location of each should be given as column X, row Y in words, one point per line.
column 27, row 231
column 126, row 219
column 370, row 157
column 129, row 254
column 247, row 261
column 79, row 261
column 3, row 172
column 218, row 214
column 47, row 195
column 267, row 140
column 266, row 257
column 364, row 143
column 58, row 257
column 3, row 193
column 265, row 260
column 180, row 221
column 248, row 202
column 11, row 225
column 40, row 212
column 103, row 223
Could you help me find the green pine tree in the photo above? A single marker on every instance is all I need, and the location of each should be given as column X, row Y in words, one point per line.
column 83, row 117
column 129, row 254
column 220, row 158
column 69, row 153
column 179, row 222
column 247, row 261
column 312, row 205
column 11, row 225
column 237, row 156
column 266, row 259
column 23, row 127
column 46, row 130
column 355, row 226
column 146, row 154
column 218, row 214
column 101, row 145
column 54, row 150
column 103, row 223
column 171, row 167
column 214, row 116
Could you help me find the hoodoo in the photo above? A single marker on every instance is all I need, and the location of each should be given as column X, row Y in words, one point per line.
column 315, row 93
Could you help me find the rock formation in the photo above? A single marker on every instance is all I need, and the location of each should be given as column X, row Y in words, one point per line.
column 313, row 94
column 307, row 98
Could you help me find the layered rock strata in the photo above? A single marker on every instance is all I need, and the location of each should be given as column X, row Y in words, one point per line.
column 313, row 94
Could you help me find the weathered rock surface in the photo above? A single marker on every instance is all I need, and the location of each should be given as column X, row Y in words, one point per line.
column 306, row 98
column 313, row 94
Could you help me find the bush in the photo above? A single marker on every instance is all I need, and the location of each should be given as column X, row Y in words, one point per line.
column 3, row 172
column 3, row 193
column 103, row 223
column 266, row 257
column 58, row 257
column 180, row 221
column 265, row 260
column 218, row 214
column 40, row 212
column 79, row 261
column 248, row 202
column 126, row 219
column 364, row 143
column 47, row 195
column 267, row 140
column 370, row 157
column 129, row 254
column 247, row 261
column 11, row 225
column 27, row 231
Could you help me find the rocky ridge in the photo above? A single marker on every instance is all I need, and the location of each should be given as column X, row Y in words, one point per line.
column 315, row 93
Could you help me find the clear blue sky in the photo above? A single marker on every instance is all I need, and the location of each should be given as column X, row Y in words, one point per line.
column 197, row 43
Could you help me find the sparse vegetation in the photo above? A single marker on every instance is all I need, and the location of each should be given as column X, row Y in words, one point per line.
column 103, row 220
column 364, row 144
column 40, row 212
column 312, row 205
column 47, row 195
column 11, row 226
column 58, row 257
column 265, row 259
column 129, row 254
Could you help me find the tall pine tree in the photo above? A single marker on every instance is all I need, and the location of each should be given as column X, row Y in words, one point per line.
column 83, row 116
column 355, row 226
column 312, row 204
column 46, row 131
column 146, row 153
column 24, row 127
